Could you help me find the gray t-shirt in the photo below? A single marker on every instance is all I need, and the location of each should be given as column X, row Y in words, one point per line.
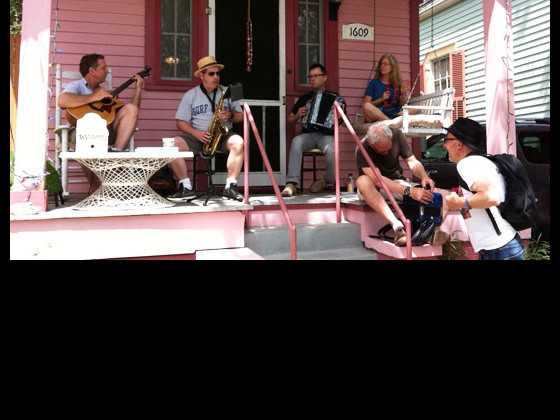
column 196, row 107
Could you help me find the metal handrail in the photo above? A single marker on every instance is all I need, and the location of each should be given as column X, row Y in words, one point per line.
column 248, row 119
column 396, row 207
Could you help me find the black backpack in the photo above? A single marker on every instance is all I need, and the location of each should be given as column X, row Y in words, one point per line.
column 520, row 205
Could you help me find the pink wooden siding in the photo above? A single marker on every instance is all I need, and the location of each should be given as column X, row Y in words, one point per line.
column 391, row 24
column 116, row 30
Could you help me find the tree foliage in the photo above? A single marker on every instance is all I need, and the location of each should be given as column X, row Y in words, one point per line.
column 15, row 16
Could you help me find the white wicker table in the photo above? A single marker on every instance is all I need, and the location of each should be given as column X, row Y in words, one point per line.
column 124, row 178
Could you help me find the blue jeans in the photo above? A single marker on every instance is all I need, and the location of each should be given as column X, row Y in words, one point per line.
column 513, row 250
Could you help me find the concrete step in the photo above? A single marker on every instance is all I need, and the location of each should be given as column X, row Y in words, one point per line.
column 356, row 253
column 329, row 241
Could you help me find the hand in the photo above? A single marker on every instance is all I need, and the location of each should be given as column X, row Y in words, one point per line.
column 301, row 112
column 203, row 136
column 101, row 93
column 428, row 182
column 422, row 195
column 225, row 115
column 139, row 81
column 405, row 87
column 454, row 202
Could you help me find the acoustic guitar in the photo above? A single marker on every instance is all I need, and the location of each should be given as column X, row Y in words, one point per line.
column 107, row 107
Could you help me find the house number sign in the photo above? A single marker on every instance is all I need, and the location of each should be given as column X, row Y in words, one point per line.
column 357, row 31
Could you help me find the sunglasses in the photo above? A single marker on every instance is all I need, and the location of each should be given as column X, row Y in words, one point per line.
column 212, row 73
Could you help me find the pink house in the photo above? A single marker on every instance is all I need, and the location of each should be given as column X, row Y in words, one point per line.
column 347, row 36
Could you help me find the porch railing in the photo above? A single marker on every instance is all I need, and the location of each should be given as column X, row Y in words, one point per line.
column 249, row 120
column 339, row 112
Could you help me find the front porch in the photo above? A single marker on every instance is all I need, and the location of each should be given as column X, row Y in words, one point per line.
column 191, row 230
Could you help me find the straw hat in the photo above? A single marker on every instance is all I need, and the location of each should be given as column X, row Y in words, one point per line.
column 206, row 62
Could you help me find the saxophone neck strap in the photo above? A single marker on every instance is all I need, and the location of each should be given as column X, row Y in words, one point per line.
column 213, row 99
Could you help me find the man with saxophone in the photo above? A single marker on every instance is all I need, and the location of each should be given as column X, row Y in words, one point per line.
column 206, row 118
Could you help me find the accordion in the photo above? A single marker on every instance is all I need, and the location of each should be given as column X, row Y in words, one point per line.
column 320, row 113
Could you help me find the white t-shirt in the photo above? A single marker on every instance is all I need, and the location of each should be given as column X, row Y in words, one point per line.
column 196, row 108
column 481, row 230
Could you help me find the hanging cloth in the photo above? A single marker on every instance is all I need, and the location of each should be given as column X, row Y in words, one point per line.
column 249, row 30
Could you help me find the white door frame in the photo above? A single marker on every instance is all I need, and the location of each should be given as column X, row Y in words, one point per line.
column 261, row 178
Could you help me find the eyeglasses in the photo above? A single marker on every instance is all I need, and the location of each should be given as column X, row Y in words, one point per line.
column 212, row 73
column 312, row 76
column 447, row 139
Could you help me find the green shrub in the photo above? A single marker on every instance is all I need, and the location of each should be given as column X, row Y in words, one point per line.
column 537, row 249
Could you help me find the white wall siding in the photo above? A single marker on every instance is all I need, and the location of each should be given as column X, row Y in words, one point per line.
column 462, row 23
column 531, row 54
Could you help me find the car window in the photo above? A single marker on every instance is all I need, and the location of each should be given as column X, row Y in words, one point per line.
column 435, row 152
column 536, row 147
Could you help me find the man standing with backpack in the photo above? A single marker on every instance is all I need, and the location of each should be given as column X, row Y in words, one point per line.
column 484, row 188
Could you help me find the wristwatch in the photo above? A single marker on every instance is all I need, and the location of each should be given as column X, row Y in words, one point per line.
column 406, row 192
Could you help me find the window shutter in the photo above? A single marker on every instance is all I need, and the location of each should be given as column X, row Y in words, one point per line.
column 457, row 76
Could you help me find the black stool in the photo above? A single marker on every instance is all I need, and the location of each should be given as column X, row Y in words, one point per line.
column 313, row 153
column 209, row 172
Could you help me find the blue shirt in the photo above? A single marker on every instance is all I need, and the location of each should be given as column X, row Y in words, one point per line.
column 376, row 88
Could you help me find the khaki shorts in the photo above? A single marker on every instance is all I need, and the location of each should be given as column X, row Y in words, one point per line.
column 398, row 197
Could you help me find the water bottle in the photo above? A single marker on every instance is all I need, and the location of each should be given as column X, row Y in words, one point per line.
column 350, row 184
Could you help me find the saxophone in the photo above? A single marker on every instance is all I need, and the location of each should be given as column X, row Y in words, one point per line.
column 217, row 129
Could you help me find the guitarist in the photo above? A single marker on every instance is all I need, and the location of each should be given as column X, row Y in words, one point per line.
column 94, row 70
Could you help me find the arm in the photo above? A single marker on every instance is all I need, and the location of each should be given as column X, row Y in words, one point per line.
column 185, row 127
column 136, row 99
column 419, row 172
column 484, row 195
column 293, row 118
column 73, row 100
column 405, row 92
column 393, row 186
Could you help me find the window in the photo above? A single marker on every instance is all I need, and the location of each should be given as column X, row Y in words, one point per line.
column 171, row 47
column 310, row 38
column 441, row 73
column 176, row 39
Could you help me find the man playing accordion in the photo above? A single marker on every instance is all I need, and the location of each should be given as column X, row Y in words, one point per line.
column 315, row 109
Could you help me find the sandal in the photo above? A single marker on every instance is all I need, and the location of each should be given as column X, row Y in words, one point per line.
column 382, row 233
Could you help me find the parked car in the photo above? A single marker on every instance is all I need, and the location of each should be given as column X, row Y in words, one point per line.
column 533, row 149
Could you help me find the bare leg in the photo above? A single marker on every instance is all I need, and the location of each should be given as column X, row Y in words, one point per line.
column 372, row 113
column 235, row 157
column 374, row 199
column 125, row 124
column 179, row 166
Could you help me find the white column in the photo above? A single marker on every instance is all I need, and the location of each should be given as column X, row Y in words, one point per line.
column 500, row 111
column 32, row 124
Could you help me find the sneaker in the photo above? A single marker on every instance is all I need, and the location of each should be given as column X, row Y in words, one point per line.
column 231, row 193
column 182, row 194
column 318, row 186
column 400, row 237
column 289, row 190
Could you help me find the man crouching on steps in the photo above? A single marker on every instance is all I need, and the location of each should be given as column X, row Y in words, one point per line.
column 385, row 144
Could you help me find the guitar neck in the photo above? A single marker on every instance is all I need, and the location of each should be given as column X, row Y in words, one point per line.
column 122, row 87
